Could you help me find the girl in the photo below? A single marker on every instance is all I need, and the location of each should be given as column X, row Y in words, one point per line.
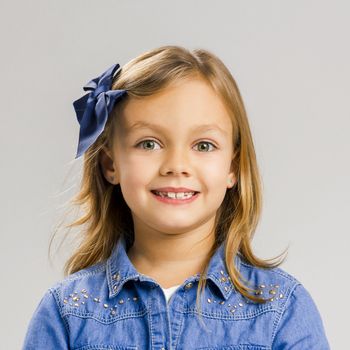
column 171, row 196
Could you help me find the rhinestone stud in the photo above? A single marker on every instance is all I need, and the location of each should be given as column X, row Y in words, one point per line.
column 116, row 276
column 189, row 285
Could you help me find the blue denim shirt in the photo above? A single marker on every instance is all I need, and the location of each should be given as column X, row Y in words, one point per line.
column 112, row 306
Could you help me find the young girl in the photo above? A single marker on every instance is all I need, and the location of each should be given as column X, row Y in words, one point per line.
column 171, row 195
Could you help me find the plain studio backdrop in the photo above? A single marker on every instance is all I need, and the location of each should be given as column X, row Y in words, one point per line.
column 291, row 62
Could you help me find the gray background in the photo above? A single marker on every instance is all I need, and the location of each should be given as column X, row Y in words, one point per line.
column 291, row 62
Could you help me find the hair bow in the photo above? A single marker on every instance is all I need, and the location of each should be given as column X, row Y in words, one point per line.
column 93, row 109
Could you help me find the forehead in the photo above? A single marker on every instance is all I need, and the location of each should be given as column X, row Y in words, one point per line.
column 186, row 105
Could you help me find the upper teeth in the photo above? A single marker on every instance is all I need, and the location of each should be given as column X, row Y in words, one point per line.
column 176, row 194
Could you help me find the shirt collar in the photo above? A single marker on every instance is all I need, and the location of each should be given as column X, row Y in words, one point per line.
column 120, row 269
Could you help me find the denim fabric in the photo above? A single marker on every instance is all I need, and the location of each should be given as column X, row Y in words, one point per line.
column 112, row 306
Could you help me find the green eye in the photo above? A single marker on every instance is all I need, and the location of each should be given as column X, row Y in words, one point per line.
column 207, row 143
column 144, row 142
column 149, row 142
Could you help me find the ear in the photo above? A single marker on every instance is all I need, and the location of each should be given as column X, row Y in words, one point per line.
column 108, row 167
column 231, row 178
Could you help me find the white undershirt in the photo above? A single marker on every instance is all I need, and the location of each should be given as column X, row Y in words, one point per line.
column 169, row 291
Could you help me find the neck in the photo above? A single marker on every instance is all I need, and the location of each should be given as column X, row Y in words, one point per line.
column 171, row 258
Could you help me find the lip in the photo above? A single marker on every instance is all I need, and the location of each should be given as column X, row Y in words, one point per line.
column 173, row 189
column 176, row 201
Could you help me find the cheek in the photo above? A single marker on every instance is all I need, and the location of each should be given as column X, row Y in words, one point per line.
column 215, row 179
column 135, row 171
column 133, row 180
column 214, row 174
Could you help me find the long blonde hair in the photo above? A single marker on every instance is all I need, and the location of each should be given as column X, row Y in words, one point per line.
column 106, row 216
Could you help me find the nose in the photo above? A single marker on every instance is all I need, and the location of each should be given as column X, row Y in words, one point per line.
column 175, row 162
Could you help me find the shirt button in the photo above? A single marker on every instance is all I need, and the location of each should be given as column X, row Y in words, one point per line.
column 189, row 285
column 162, row 349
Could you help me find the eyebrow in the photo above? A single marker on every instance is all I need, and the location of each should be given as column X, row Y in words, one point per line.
column 202, row 127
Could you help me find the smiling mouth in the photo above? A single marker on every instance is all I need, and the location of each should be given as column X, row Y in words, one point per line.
column 175, row 195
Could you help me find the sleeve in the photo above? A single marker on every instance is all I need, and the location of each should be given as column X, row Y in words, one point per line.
column 300, row 326
column 46, row 329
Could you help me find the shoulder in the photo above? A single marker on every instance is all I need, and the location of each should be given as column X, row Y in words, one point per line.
column 297, row 317
column 274, row 283
column 49, row 327
column 88, row 281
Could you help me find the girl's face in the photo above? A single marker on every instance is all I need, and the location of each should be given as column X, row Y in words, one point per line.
column 163, row 141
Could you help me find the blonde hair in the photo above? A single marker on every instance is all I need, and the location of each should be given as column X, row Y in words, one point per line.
column 107, row 217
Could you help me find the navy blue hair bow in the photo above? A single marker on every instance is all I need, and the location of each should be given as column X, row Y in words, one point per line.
column 94, row 108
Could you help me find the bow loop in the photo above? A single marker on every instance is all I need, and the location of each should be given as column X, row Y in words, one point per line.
column 93, row 109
